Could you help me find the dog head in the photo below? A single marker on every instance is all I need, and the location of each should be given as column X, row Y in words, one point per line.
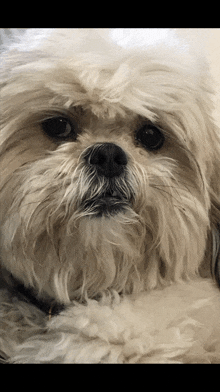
column 109, row 162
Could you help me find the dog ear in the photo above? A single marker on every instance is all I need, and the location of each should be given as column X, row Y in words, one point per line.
column 210, row 266
column 214, row 191
column 215, row 232
column 215, row 207
column 215, row 266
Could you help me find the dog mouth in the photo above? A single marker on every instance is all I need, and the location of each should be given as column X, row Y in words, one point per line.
column 109, row 202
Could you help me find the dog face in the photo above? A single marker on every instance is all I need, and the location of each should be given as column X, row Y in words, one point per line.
column 109, row 160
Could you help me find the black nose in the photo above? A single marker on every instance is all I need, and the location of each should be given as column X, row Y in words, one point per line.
column 108, row 158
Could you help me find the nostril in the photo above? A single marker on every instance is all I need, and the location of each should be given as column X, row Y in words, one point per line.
column 121, row 159
column 108, row 158
column 97, row 158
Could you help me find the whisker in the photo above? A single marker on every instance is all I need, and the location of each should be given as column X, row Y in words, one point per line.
column 167, row 193
column 185, row 184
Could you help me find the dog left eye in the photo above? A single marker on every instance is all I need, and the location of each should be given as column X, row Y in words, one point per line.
column 60, row 128
column 150, row 137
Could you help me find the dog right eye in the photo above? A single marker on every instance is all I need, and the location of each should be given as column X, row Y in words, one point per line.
column 150, row 136
column 60, row 128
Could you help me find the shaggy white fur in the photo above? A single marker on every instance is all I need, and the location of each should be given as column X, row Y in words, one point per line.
column 179, row 324
column 109, row 199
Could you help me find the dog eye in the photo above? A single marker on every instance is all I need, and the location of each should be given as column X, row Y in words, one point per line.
column 150, row 137
column 60, row 128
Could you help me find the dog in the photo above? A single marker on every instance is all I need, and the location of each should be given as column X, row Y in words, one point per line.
column 109, row 199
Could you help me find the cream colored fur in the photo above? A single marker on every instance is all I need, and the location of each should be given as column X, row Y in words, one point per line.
column 109, row 82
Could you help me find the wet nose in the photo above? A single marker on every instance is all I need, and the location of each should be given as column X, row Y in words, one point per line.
column 109, row 159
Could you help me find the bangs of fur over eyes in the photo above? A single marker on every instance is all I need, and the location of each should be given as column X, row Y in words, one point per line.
column 95, row 80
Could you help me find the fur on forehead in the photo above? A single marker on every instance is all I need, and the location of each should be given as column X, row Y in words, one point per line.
column 107, row 59
column 111, row 73
column 100, row 69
